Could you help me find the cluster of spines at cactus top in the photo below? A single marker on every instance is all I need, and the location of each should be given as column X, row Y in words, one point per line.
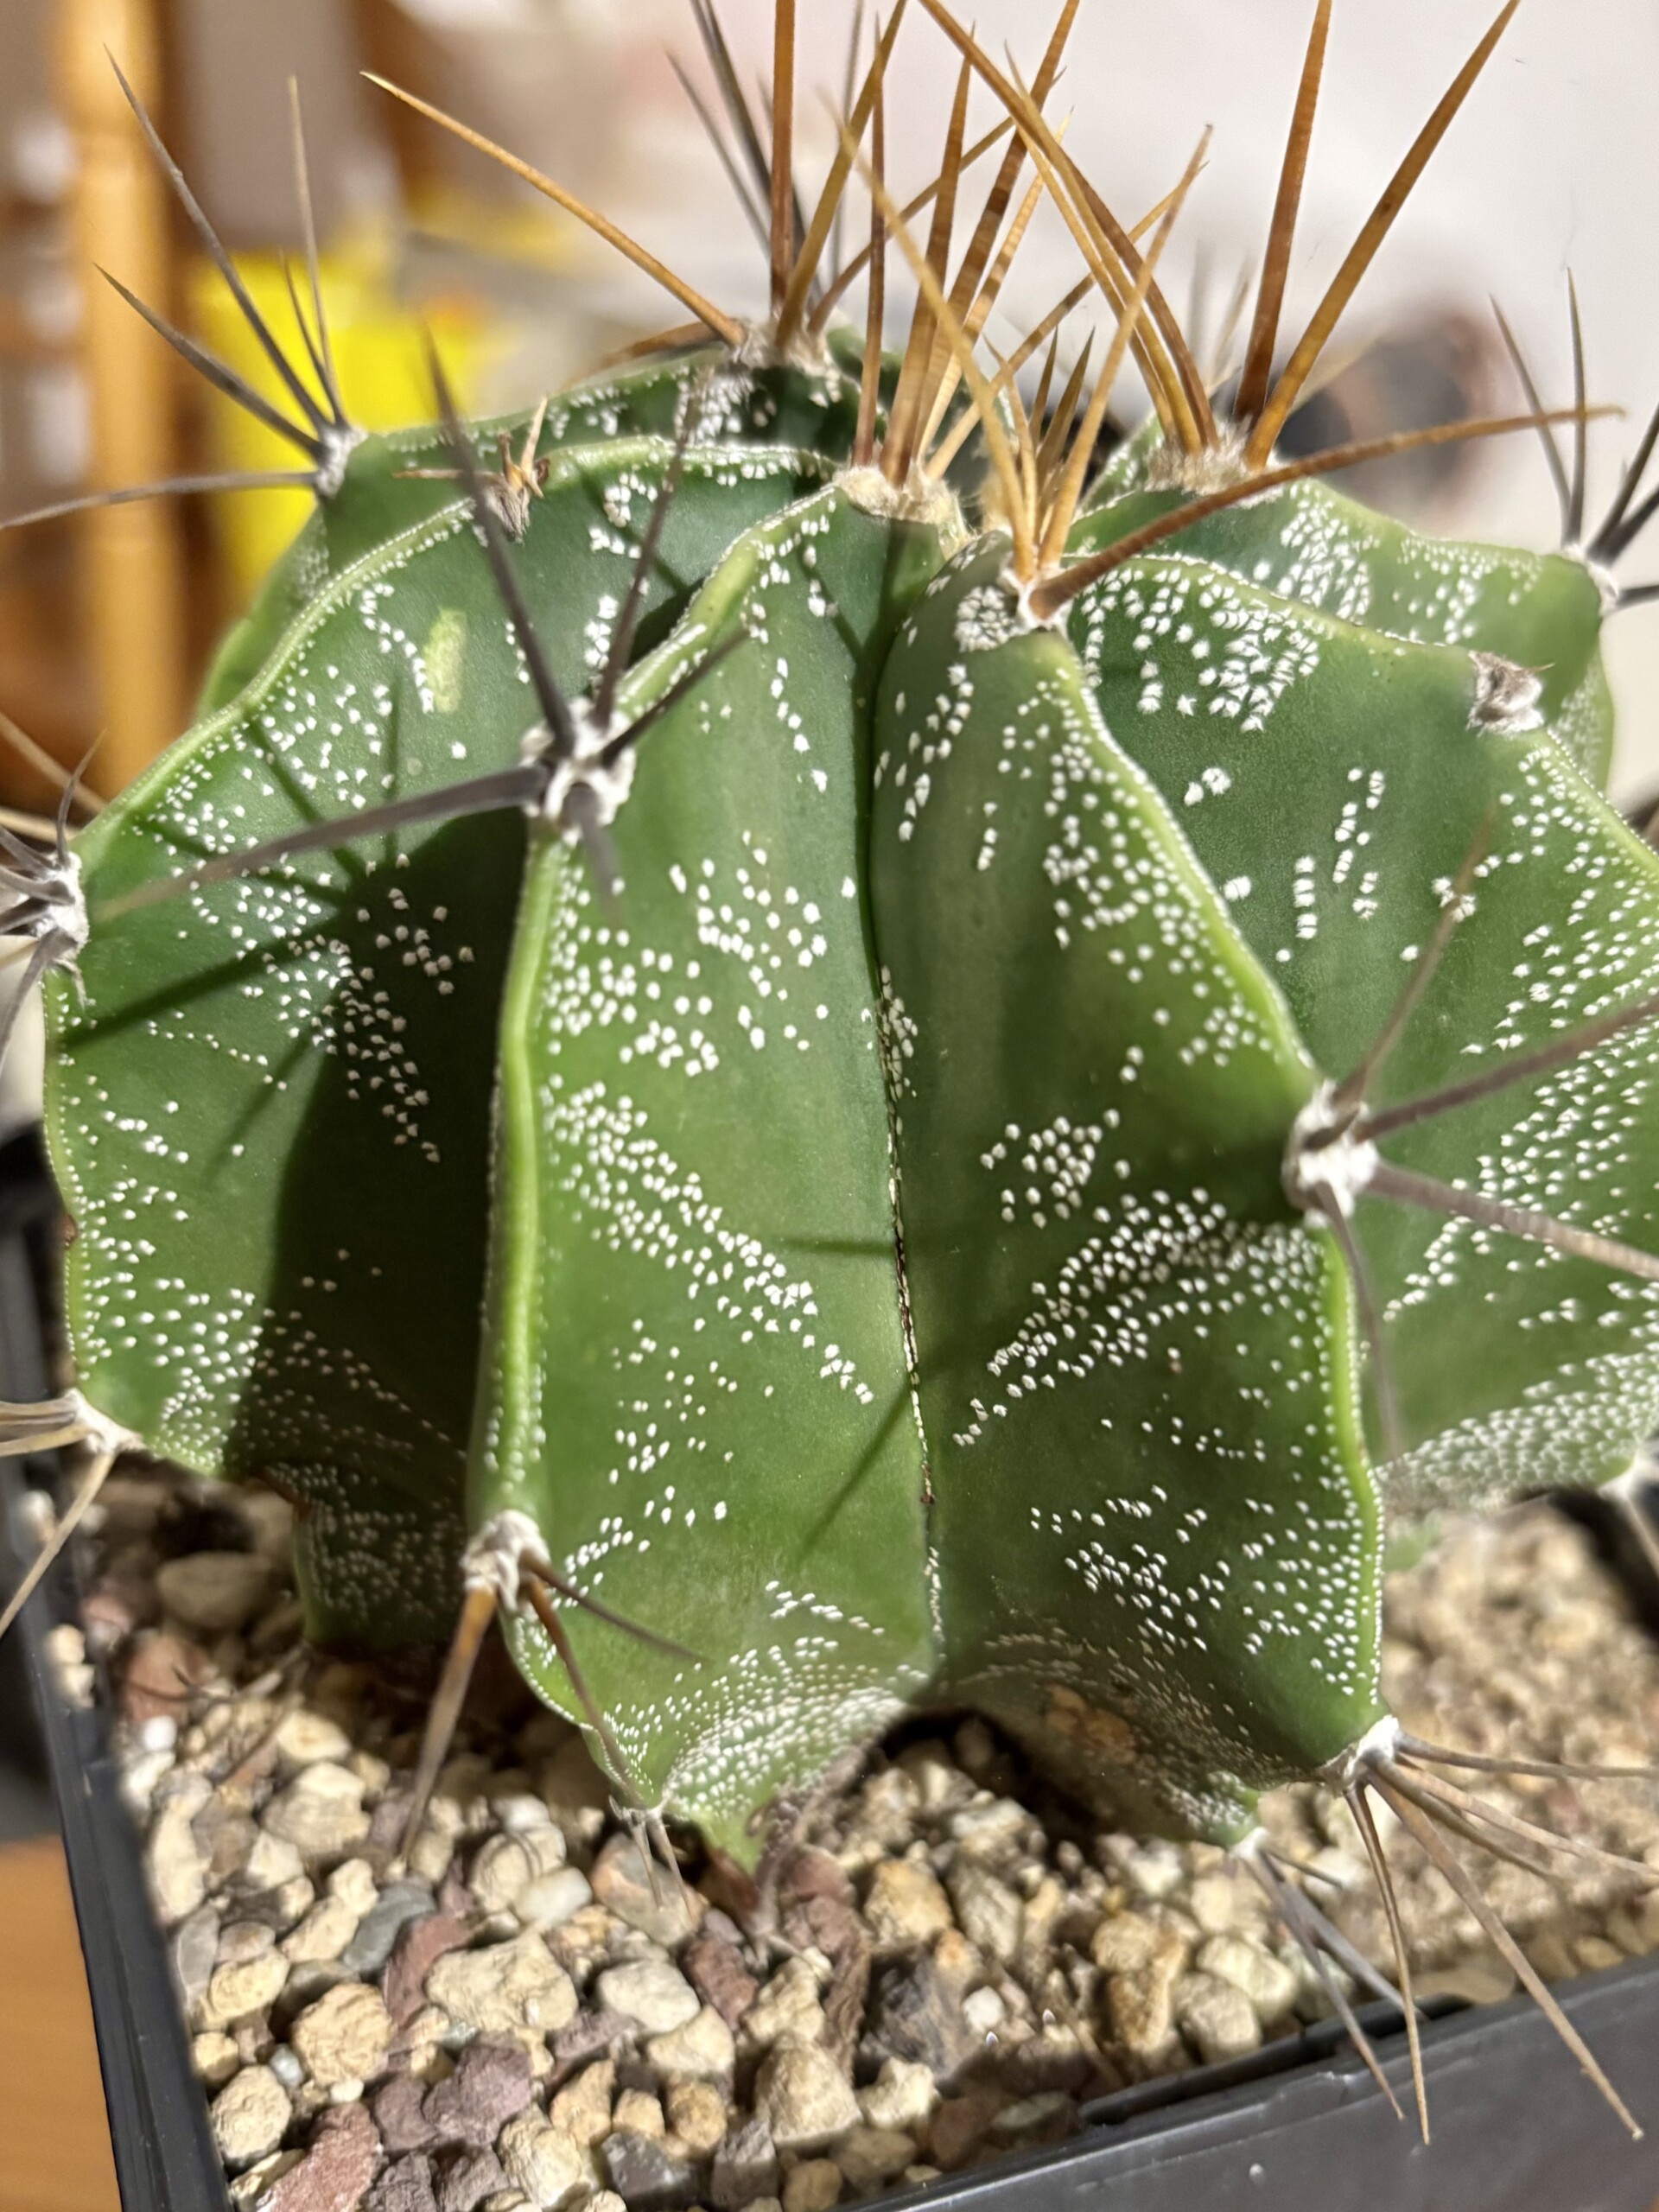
column 838, row 1065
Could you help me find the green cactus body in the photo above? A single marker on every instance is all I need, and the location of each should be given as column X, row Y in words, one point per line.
column 807, row 409
column 235, row 1061
column 1311, row 543
column 1331, row 781
column 695, row 1384
column 1168, row 1590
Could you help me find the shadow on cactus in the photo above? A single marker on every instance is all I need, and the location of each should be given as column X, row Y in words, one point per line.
column 831, row 1101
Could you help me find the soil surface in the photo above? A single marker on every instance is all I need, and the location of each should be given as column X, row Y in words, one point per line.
column 946, row 1966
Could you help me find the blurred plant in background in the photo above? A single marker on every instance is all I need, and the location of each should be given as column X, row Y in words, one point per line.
column 105, row 621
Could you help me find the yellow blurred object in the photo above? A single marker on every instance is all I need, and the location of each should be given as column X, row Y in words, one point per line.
column 379, row 350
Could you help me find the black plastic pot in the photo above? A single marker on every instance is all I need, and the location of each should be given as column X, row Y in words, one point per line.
column 1297, row 2127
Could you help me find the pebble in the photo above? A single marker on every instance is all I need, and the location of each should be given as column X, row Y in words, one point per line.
column 195, row 1952
column 901, row 2096
column 397, row 1905
column 745, row 2167
column 399, row 2107
column 160, row 1677
column 702, row 2050
column 714, row 1966
column 272, row 1863
column 470, row 2180
column 547, row 2166
column 639, row 2113
column 646, row 2174
column 405, row 2186
column 868, row 2156
column 235, row 1992
column 552, row 1900
column 804, row 2098
column 787, row 2010
column 1269, row 1983
column 504, row 1988
column 335, row 2171
column 490, row 2086
column 250, row 2116
column 652, row 1991
column 991, row 1915
column 622, row 1882
column 322, row 1935
column 915, row 2016
column 215, row 2056
column 813, row 2186
column 175, row 1862
column 904, row 1903
column 251, row 2188
column 582, row 2108
column 505, row 1866
column 321, row 1811
column 305, row 1737
column 419, row 1946
column 215, row 1592
column 1217, row 2016
column 226, row 1834
column 587, row 2035
column 344, row 2036
column 242, row 1941
column 959, row 2124
column 697, row 2115
column 352, row 1882
column 1225, row 1904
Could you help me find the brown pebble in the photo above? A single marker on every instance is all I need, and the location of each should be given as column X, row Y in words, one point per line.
column 161, row 1676
column 336, row 2169
column 959, row 2124
column 715, row 1970
column 405, row 2186
column 400, row 2114
column 490, row 2086
column 416, row 1951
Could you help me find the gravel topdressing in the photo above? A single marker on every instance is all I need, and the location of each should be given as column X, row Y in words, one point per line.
column 948, row 1964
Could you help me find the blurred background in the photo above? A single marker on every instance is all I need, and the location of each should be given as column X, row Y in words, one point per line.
column 105, row 619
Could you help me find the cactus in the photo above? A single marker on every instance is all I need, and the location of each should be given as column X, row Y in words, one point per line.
column 844, row 1170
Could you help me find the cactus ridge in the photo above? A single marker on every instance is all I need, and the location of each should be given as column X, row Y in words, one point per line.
column 857, row 1072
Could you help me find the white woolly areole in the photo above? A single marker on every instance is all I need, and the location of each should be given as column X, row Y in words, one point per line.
column 1380, row 1742
column 1605, row 581
column 1506, row 696
column 759, row 349
column 337, row 442
column 1326, row 1167
column 54, row 884
column 70, row 902
column 610, row 785
column 1215, row 468
column 494, row 1559
column 920, row 498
